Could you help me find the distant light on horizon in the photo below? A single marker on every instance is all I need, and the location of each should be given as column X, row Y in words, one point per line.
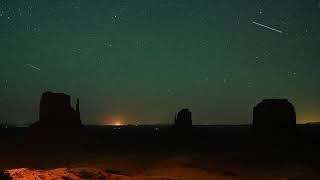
column 115, row 120
column 118, row 123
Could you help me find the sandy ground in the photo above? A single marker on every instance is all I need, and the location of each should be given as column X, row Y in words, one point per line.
column 168, row 167
column 96, row 173
column 99, row 174
column 224, row 154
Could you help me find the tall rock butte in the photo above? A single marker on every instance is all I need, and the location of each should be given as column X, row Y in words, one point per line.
column 274, row 115
column 56, row 112
column 183, row 119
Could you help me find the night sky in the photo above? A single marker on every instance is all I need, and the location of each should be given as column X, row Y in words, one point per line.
column 142, row 61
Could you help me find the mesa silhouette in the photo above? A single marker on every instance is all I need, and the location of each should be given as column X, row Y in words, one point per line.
column 183, row 119
column 270, row 116
column 56, row 111
column 274, row 116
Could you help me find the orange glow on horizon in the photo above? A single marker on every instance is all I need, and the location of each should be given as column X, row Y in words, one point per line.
column 117, row 123
column 308, row 118
column 114, row 120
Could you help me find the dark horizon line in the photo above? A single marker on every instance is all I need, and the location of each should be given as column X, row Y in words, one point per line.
column 156, row 124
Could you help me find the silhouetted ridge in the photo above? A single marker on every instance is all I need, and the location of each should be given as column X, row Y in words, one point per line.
column 274, row 115
column 56, row 111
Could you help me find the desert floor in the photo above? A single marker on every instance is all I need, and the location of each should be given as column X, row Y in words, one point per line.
column 218, row 155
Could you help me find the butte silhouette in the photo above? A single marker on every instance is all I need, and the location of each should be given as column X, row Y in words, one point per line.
column 56, row 111
column 274, row 116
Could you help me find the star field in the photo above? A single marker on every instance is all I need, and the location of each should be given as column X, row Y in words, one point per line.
column 145, row 60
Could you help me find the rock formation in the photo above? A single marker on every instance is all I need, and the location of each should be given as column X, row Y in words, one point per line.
column 56, row 111
column 183, row 119
column 274, row 116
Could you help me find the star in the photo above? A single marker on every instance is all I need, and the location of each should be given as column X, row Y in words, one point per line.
column 6, row 84
column 108, row 44
column 227, row 79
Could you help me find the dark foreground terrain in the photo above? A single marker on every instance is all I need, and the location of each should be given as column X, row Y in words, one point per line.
column 159, row 152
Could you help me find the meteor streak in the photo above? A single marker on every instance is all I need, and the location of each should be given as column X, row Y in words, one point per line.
column 34, row 67
column 276, row 30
